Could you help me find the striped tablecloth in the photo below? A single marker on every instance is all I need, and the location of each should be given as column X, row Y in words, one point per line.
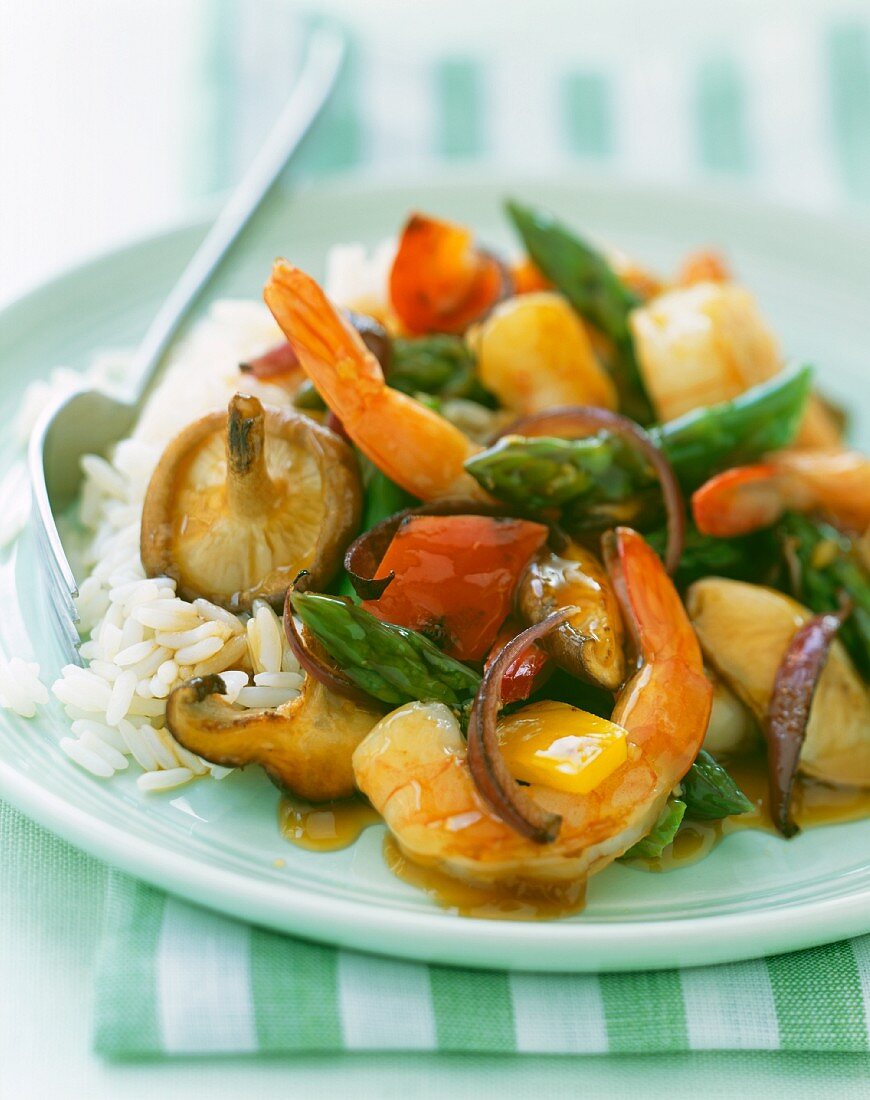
column 175, row 979
column 775, row 100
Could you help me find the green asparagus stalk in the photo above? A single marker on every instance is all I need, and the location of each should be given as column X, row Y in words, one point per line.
column 753, row 557
column 763, row 418
column 589, row 283
column 710, row 793
column 662, row 833
column 441, row 365
column 544, row 472
column 391, row 663
column 550, row 473
column 823, row 563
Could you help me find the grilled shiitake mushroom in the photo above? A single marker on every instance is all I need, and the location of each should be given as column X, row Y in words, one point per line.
column 242, row 501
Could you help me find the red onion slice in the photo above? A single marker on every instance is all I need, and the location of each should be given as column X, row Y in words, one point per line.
column 789, row 709
column 273, row 364
column 485, row 762
column 574, row 421
column 309, row 660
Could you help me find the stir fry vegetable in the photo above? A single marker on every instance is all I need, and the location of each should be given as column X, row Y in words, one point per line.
column 745, row 631
column 710, row 793
column 441, row 365
column 440, row 281
column 580, row 420
column 662, row 833
column 589, row 283
column 453, row 578
column 304, row 746
column 823, row 565
column 751, row 557
column 788, row 712
column 388, row 662
column 589, row 644
column 527, row 673
column 242, row 500
column 278, row 363
column 584, row 473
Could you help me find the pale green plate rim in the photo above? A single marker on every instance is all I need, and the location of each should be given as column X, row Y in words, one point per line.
column 436, row 936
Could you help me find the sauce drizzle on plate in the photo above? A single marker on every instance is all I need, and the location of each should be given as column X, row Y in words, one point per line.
column 325, row 826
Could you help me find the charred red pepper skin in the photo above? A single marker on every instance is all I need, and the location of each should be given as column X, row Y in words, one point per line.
column 440, row 281
column 525, row 675
column 454, row 578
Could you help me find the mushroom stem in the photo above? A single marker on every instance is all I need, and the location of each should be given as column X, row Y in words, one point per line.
column 249, row 488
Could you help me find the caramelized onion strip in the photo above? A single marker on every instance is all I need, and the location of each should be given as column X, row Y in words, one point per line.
column 488, row 769
column 789, row 709
column 310, row 661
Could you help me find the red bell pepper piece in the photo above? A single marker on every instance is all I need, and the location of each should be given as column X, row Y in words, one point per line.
column 527, row 673
column 454, row 578
column 440, row 282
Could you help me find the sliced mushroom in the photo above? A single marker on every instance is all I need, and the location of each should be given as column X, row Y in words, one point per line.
column 744, row 630
column 590, row 644
column 242, row 501
column 304, row 746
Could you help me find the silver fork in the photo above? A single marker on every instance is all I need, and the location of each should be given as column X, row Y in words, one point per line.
column 89, row 421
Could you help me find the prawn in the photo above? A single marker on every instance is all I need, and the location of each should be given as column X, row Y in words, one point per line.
column 702, row 343
column 747, row 498
column 413, row 765
column 414, row 446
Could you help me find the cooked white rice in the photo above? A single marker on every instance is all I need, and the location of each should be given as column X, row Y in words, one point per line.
column 141, row 639
column 21, row 689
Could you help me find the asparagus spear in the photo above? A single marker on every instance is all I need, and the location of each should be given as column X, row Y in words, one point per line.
column 391, row 663
column 439, row 364
column 710, row 793
column 661, row 834
column 763, row 418
column 547, row 472
column 824, row 563
column 589, row 283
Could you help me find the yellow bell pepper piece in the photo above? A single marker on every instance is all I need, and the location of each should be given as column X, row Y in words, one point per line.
column 560, row 746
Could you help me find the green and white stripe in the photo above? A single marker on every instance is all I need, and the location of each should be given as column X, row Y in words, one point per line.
column 176, row 979
column 783, row 109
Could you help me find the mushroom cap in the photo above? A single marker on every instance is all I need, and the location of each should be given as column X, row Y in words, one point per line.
column 305, row 746
column 590, row 644
column 235, row 520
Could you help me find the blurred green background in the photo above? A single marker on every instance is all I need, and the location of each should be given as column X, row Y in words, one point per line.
column 118, row 117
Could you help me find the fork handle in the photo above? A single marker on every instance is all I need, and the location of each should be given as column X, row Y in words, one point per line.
column 323, row 60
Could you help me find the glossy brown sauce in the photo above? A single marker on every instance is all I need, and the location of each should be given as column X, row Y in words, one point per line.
column 328, row 826
column 814, row 803
column 518, row 901
column 325, row 826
